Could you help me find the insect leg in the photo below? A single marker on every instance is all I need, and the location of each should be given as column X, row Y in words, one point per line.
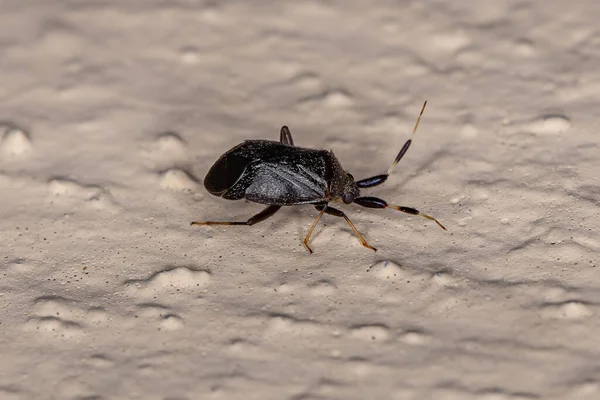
column 374, row 202
column 338, row 213
column 261, row 216
column 379, row 179
column 285, row 136
column 312, row 228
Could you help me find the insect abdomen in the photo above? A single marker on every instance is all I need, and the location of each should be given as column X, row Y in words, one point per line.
column 225, row 173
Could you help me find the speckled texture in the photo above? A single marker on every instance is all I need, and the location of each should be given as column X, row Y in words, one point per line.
column 112, row 112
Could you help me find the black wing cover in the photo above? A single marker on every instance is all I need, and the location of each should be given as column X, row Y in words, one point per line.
column 269, row 172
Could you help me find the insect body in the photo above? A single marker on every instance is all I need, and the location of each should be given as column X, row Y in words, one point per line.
column 280, row 174
column 273, row 173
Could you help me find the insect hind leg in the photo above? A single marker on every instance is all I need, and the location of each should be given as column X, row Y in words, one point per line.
column 285, row 136
column 261, row 216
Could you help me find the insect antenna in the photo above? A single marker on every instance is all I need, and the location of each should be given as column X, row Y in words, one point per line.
column 376, row 202
column 379, row 179
column 404, row 148
column 414, row 211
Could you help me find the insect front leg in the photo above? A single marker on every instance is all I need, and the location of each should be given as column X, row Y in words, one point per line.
column 261, row 216
column 338, row 213
column 374, row 202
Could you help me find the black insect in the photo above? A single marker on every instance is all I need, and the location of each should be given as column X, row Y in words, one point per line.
column 280, row 174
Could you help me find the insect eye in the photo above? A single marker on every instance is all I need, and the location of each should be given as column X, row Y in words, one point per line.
column 347, row 198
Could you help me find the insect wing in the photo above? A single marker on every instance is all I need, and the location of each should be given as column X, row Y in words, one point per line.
column 286, row 184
